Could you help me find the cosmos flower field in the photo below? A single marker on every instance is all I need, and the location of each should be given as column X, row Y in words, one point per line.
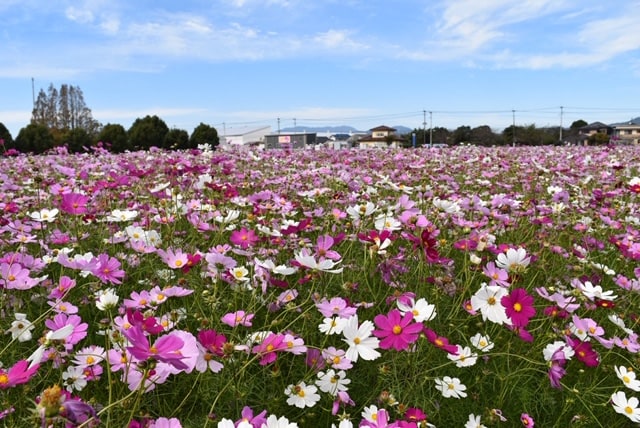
column 402, row 288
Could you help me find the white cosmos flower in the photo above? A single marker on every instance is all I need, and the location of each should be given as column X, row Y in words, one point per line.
column 592, row 292
column 362, row 210
column 451, row 387
column 302, row 395
column 464, row 357
column 421, row 309
column 44, row 215
column 482, row 343
column 332, row 382
column 627, row 407
column 122, row 215
column 487, row 301
column 450, row 207
column 513, row 260
column 332, row 325
column 106, row 299
column 282, row 422
column 21, row 328
column 74, row 378
column 628, row 377
column 310, row 262
column 361, row 343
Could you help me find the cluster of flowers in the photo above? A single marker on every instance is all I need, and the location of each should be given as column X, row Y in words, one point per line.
column 283, row 256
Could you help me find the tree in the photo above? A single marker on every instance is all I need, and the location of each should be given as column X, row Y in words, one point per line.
column 598, row 139
column 204, row 134
column 77, row 140
column 578, row 124
column 147, row 132
column 176, row 139
column 63, row 110
column 7, row 139
column 483, row 136
column 114, row 137
column 34, row 138
column 462, row 135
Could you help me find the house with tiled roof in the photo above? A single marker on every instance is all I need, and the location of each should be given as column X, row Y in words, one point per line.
column 626, row 132
column 381, row 137
column 591, row 129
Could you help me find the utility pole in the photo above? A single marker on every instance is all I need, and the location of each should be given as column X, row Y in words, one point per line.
column 430, row 129
column 424, row 127
column 33, row 92
column 513, row 129
column 561, row 113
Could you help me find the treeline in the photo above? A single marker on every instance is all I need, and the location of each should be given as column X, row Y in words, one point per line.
column 61, row 118
column 528, row 135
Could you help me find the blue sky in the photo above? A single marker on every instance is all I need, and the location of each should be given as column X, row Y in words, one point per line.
column 326, row 62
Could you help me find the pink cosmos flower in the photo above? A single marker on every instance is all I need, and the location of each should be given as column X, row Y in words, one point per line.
column 335, row 306
column 233, row 319
column 527, row 420
column 15, row 276
column 323, row 248
column 166, row 348
column 61, row 320
column 175, row 259
column 166, row 423
column 107, row 269
column 269, row 347
column 74, row 203
column 584, row 352
column 557, row 370
column 244, row 238
column 64, row 284
column 497, row 275
column 247, row 416
column 396, row 330
column 18, row 374
column 518, row 307
column 440, row 341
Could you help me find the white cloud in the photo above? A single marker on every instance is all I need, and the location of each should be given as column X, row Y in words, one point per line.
column 338, row 39
column 82, row 16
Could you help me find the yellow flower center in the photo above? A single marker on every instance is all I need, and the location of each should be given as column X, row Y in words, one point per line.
column 90, row 360
column 491, row 300
column 11, row 278
column 178, row 263
column 397, row 329
column 356, row 340
column 4, row 379
column 517, row 306
column 628, row 410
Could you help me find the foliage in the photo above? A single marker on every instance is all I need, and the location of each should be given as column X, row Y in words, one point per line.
column 598, row 139
column 5, row 135
column 34, row 138
column 63, row 110
column 177, row 139
column 204, row 134
column 150, row 131
column 115, row 138
column 77, row 140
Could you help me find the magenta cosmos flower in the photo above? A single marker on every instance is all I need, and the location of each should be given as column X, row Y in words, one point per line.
column 244, row 238
column 396, row 330
column 74, row 203
column 19, row 373
column 519, row 307
column 166, row 349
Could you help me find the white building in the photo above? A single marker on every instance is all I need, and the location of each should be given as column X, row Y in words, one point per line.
column 244, row 135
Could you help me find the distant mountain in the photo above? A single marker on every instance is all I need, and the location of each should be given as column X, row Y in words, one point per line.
column 401, row 130
column 342, row 129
